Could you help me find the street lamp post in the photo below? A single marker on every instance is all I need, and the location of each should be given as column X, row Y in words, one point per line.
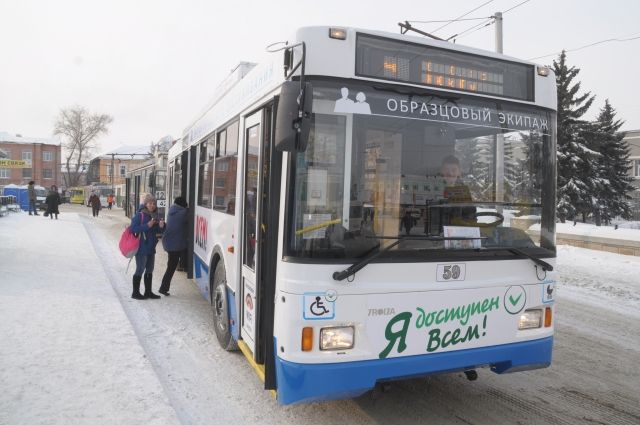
column 112, row 171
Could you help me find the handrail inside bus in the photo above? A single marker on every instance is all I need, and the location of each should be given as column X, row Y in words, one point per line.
column 318, row 226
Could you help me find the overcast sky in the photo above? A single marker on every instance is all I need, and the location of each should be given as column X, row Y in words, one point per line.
column 153, row 64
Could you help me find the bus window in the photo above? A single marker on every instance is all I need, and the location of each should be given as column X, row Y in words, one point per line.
column 251, row 196
column 224, row 187
column 205, row 175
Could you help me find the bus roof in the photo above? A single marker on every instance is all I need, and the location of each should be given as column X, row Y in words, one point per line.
column 249, row 84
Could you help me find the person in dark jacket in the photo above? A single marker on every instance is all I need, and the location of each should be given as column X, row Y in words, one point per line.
column 174, row 240
column 31, row 190
column 53, row 201
column 148, row 226
column 94, row 201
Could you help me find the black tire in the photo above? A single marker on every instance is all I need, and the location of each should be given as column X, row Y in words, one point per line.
column 220, row 309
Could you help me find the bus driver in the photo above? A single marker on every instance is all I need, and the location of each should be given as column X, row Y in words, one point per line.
column 455, row 191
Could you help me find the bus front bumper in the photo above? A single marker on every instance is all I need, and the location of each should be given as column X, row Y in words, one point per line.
column 298, row 382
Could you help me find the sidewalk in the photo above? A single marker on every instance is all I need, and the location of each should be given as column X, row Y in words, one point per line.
column 68, row 352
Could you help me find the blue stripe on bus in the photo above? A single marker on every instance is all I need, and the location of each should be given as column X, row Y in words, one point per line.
column 298, row 382
column 201, row 276
column 233, row 315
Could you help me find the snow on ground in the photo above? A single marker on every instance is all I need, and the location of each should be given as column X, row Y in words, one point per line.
column 586, row 229
column 68, row 352
column 600, row 278
column 625, row 230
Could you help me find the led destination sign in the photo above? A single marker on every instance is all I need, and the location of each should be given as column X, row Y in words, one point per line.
column 430, row 66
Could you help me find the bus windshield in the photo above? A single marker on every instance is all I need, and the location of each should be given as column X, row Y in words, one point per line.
column 445, row 174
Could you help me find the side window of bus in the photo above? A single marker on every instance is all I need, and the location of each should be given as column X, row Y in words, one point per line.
column 205, row 173
column 224, row 188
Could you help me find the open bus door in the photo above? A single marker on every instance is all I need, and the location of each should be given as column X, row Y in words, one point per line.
column 127, row 198
column 260, row 200
column 189, row 172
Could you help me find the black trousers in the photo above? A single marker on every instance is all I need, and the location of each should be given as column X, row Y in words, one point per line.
column 172, row 263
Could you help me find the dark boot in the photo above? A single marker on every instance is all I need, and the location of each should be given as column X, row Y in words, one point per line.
column 136, row 295
column 164, row 286
column 164, row 291
column 147, row 287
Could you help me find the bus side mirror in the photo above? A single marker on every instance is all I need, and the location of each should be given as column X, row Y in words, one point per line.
column 293, row 117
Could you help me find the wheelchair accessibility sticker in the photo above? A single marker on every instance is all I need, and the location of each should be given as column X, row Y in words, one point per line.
column 318, row 306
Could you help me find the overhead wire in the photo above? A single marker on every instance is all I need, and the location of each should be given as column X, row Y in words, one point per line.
column 491, row 21
column 608, row 40
column 446, row 20
column 517, row 5
column 474, row 28
column 462, row 16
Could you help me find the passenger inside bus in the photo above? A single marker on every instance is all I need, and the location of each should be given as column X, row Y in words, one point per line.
column 445, row 211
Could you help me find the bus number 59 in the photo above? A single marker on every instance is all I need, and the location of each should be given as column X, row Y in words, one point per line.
column 448, row 272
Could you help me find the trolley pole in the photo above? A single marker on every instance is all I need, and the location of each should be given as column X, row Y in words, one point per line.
column 499, row 156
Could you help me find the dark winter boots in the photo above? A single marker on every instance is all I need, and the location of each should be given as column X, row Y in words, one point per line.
column 136, row 295
column 147, row 287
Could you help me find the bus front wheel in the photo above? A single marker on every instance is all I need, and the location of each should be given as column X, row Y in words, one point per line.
column 220, row 308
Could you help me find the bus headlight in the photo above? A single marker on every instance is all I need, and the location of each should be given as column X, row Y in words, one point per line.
column 530, row 319
column 337, row 338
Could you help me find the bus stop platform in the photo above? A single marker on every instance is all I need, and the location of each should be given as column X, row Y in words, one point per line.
column 69, row 352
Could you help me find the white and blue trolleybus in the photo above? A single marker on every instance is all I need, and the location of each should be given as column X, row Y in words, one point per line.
column 369, row 206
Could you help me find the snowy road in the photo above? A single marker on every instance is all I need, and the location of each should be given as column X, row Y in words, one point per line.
column 592, row 380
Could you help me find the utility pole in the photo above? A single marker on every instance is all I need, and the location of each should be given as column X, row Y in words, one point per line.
column 498, row 18
column 499, row 156
column 112, row 171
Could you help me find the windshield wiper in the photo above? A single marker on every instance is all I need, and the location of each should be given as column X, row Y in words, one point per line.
column 545, row 266
column 351, row 270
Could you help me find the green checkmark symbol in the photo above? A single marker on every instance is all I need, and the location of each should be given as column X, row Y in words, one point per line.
column 514, row 301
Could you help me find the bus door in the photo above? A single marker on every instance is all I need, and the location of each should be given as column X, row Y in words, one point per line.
column 136, row 195
column 127, row 197
column 250, row 234
column 260, row 202
column 189, row 173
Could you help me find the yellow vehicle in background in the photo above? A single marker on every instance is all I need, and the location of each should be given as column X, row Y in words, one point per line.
column 77, row 195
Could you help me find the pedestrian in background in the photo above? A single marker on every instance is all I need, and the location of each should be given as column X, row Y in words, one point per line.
column 53, row 201
column 31, row 190
column 174, row 240
column 110, row 200
column 149, row 227
column 94, row 201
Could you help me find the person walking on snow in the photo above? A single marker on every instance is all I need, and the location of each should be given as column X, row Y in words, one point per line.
column 148, row 226
column 174, row 240
column 94, row 201
column 53, row 200
column 110, row 200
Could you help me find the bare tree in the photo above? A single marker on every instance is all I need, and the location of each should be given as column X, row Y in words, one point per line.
column 80, row 130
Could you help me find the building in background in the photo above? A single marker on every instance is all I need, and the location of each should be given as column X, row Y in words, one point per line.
column 29, row 158
column 632, row 138
column 150, row 177
column 110, row 168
